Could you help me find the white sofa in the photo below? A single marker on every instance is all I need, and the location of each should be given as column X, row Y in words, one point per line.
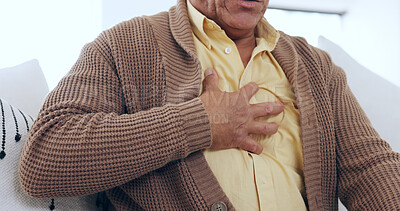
column 23, row 89
column 379, row 98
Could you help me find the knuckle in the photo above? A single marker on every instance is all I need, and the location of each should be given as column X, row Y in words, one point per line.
column 269, row 109
column 270, row 128
column 243, row 112
column 237, row 135
column 266, row 130
column 239, row 141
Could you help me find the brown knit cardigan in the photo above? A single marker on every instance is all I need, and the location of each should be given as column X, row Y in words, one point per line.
column 127, row 119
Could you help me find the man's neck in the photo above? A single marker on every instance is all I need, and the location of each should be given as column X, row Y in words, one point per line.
column 245, row 47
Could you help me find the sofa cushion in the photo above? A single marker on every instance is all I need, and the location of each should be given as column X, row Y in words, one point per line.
column 378, row 97
column 24, row 86
column 14, row 128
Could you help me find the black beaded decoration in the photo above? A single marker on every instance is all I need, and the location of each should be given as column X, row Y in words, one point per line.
column 17, row 135
column 31, row 118
column 52, row 206
column 3, row 124
column 26, row 121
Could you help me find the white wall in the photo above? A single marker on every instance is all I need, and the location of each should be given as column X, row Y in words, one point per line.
column 335, row 6
column 53, row 32
column 307, row 25
column 371, row 34
column 115, row 11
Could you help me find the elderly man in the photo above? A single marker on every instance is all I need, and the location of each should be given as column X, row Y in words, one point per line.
column 273, row 126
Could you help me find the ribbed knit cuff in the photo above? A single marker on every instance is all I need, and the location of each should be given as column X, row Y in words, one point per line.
column 196, row 125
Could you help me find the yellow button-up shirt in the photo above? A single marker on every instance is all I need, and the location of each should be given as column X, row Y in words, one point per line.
column 273, row 180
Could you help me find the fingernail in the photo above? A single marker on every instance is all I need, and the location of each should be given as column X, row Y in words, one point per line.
column 279, row 103
column 208, row 72
column 269, row 108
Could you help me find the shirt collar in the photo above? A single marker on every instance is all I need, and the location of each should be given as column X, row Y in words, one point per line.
column 198, row 21
column 201, row 24
column 268, row 32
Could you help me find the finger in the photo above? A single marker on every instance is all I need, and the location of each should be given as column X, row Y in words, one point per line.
column 263, row 128
column 266, row 109
column 249, row 90
column 251, row 145
column 210, row 81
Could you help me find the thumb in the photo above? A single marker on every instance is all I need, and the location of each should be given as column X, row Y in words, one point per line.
column 210, row 81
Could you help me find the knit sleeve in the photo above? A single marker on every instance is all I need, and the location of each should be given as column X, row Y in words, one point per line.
column 368, row 169
column 83, row 142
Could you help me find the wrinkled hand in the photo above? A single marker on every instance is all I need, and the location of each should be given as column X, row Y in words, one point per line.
column 233, row 118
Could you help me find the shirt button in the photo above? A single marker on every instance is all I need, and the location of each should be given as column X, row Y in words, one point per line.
column 264, row 180
column 219, row 206
column 210, row 26
column 228, row 50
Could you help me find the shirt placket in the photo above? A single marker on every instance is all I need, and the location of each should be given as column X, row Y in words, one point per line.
column 264, row 183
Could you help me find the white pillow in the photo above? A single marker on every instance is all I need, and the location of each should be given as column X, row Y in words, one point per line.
column 24, row 86
column 379, row 98
column 12, row 197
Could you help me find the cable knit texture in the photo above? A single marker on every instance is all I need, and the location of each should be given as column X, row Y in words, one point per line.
column 127, row 120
